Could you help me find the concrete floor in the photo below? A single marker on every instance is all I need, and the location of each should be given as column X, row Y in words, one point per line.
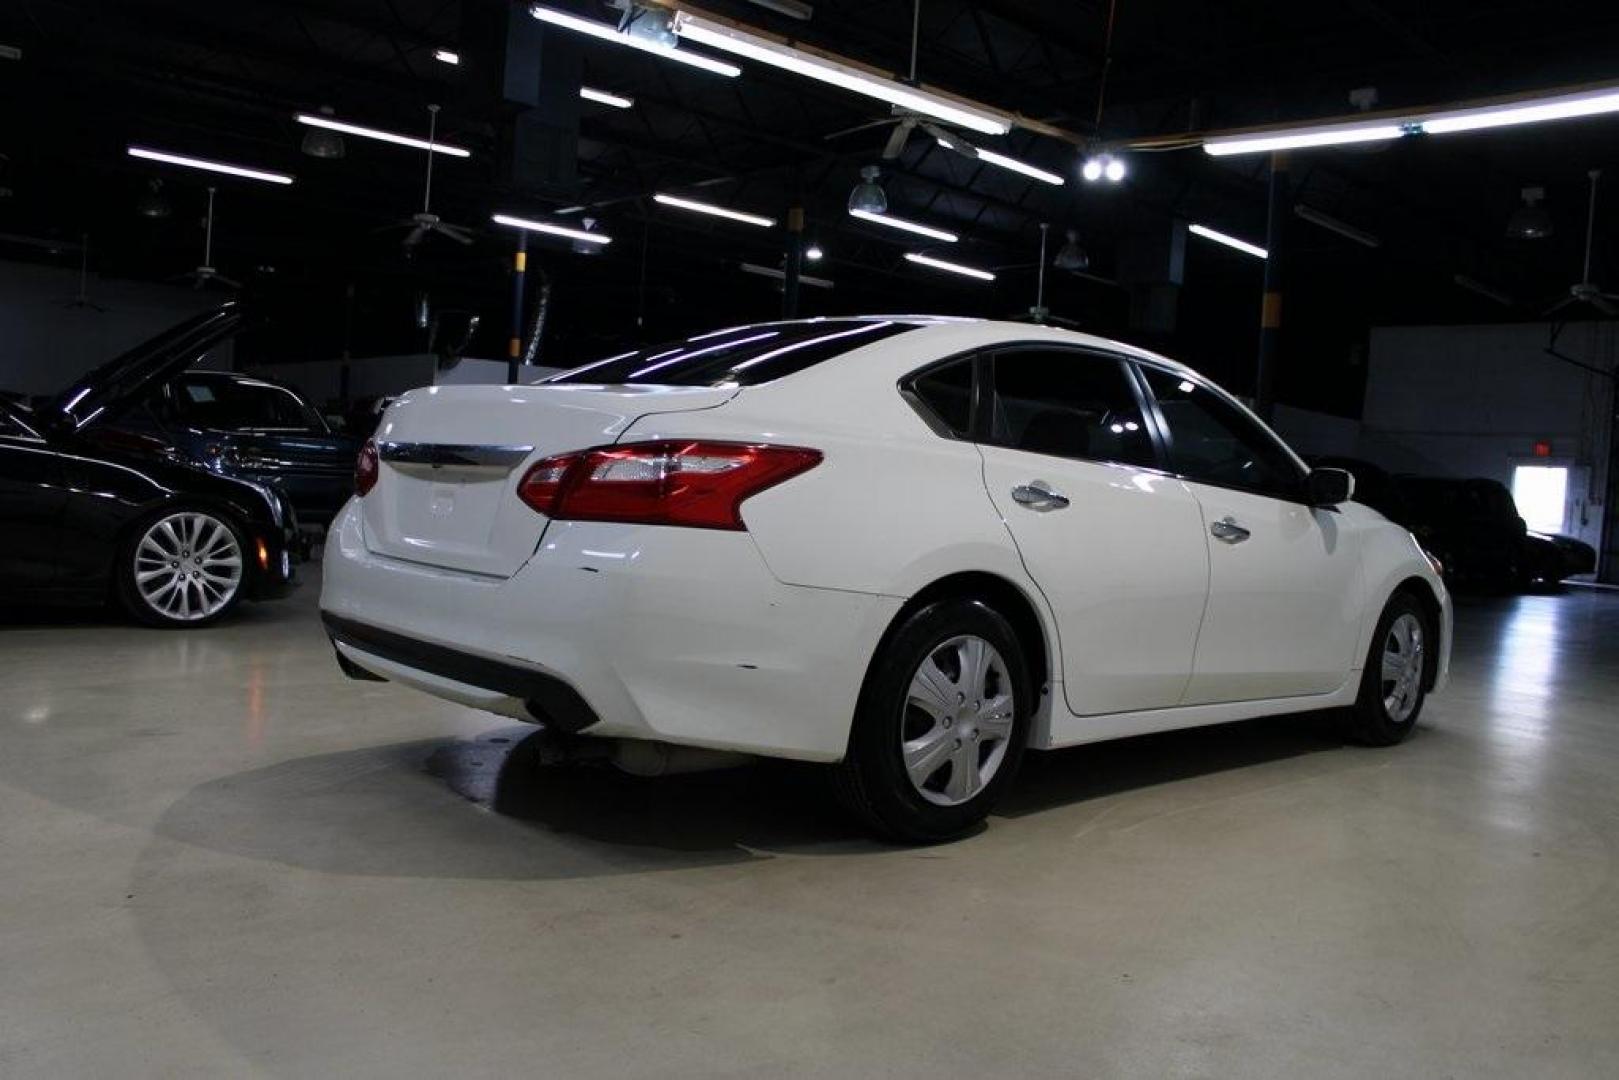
column 218, row 857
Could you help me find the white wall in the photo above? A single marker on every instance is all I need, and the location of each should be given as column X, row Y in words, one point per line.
column 1473, row 401
column 45, row 344
column 374, row 376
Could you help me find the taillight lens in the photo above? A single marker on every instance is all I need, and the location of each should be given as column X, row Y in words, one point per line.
column 365, row 468
column 695, row 484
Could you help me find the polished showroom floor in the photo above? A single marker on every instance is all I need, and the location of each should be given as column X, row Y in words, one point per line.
column 220, row 858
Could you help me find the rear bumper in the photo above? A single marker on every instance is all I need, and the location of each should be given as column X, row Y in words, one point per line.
column 676, row 635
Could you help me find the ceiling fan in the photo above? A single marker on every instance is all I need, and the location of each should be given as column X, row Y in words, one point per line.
column 425, row 221
column 1586, row 291
column 905, row 122
column 205, row 274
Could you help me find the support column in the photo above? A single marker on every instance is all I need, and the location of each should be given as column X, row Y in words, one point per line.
column 795, row 263
column 1270, row 312
column 514, row 345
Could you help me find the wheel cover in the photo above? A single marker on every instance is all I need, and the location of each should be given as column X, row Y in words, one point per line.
column 1402, row 667
column 957, row 721
column 188, row 566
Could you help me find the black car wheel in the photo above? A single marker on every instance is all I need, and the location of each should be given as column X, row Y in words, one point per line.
column 182, row 568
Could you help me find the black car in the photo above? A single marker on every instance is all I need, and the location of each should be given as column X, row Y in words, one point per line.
column 232, row 424
column 91, row 514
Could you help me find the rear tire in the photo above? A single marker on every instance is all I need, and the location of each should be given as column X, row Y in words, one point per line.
column 1393, row 685
column 941, row 726
column 184, row 567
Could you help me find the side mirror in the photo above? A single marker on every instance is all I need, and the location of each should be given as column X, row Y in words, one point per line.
column 1329, row 487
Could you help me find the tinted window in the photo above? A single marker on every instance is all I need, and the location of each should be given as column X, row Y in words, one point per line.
column 237, row 405
column 947, row 392
column 1066, row 404
column 743, row 356
column 1213, row 441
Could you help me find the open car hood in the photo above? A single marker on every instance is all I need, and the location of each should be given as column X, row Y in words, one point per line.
column 108, row 390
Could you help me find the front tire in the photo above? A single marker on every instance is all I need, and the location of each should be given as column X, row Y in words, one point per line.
column 1393, row 685
column 184, row 567
column 941, row 725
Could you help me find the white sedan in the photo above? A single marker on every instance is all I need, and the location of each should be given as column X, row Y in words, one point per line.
column 908, row 547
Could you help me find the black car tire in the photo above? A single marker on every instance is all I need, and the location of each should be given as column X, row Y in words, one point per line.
column 1369, row 720
column 128, row 591
column 872, row 781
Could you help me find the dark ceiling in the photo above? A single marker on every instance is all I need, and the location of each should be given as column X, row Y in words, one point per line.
column 223, row 80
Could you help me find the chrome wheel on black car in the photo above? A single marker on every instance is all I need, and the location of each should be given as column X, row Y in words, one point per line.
column 183, row 569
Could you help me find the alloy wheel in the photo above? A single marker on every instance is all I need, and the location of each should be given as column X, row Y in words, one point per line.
column 959, row 712
column 1402, row 667
column 188, row 566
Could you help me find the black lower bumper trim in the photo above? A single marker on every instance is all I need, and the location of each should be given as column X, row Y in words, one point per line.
column 550, row 700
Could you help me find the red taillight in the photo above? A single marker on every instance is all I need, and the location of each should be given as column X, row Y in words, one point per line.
column 365, row 468
column 696, row 484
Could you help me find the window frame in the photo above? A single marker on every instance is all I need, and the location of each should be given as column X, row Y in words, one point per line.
column 1296, row 493
column 929, row 416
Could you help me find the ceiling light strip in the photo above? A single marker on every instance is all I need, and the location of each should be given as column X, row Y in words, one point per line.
column 779, row 53
column 781, row 275
column 954, row 268
column 446, row 56
column 550, row 230
column 716, row 211
column 908, row 226
column 1534, row 110
column 209, row 166
column 604, row 32
column 1228, row 240
column 1013, row 164
column 602, row 97
column 312, row 120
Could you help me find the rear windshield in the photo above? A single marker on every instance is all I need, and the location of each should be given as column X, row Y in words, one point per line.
column 243, row 405
column 742, row 356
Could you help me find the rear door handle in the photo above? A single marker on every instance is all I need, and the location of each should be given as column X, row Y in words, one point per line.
column 1228, row 530
column 1036, row 495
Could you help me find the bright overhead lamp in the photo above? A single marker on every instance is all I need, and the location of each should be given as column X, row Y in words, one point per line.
column 781, row 275
column 411, row 141
column 1229, row 241
column 604, row 32
column 954, row 268
column 1561, row 107
column 1304, row 138
column 602, row 97
column 755, row 46
column 445, row 56
column 813, row 253
column 991, row 157
column 551, row 230
column 1004, row 162
column 1102, row 166
column 909, row 226
column 716, row 211
column 209, row 166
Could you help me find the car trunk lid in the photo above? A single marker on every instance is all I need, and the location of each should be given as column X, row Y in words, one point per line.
column 450, row 459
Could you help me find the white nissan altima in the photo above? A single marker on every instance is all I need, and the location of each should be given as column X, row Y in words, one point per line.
column 909, row 547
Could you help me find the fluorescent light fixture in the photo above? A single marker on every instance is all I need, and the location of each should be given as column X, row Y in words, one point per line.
column 717, row 211
column 1476, row 286
column 909, row 226
column 954, row 268
column 445, row 56
column 1561, row 107
column 813, row 253
column 1303, row 138
column 604, row 32
column 602, row 97
column 756, row 46
column 315, row 120
column 781, row 275
column 1332, row 224
column 1000, row 160
column 209, row 166
column 551, row 230
column 1229, row 241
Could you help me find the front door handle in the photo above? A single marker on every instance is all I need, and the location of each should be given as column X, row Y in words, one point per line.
column 1036, row 495
column 1228, row 530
